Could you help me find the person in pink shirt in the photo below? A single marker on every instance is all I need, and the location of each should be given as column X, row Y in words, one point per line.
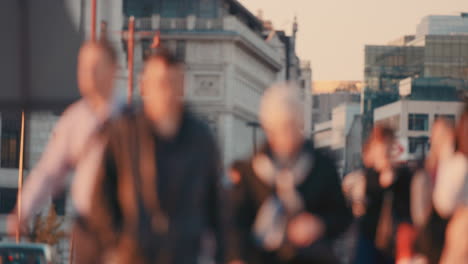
column 69, row 148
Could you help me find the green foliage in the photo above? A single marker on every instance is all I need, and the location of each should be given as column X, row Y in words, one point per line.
column 47, row 229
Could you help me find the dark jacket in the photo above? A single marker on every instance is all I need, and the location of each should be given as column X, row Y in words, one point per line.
column 156, row 197
column 386, row 209
column 322, row 196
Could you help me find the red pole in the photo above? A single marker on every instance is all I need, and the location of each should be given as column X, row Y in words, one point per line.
column 130, row 46
column 93, row 20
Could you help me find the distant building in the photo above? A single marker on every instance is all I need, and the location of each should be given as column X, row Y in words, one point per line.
column 442, row 25
column 354, row 143
column 412, row 121
column 305, row 83
column 324, row 103
column 333, row 135
column 402, row 41
column 437, row 56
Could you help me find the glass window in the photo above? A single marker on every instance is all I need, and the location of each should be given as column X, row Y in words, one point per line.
column 418, row 122
column 207, row 8
column 10, row 140
column 174, row 9
column 316, row 103
column 60, row 204
column 180, row 49
column 448, row 117
column 417, row 145
column 7, row 199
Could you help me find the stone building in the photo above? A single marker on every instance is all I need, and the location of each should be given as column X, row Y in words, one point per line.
column 230, row 58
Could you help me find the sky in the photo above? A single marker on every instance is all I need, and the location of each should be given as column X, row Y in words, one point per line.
column 332, row 33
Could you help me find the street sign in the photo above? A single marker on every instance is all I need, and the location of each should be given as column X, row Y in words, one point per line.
column 405, row 86
column 39, row 49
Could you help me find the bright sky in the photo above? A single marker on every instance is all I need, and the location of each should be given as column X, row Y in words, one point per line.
column 332, row 33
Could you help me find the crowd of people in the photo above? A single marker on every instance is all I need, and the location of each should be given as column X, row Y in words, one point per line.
column 149, row 184
column 412, row 214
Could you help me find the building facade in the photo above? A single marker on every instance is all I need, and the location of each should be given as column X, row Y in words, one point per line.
column 324, row 103
column 412, row 121
column 442, row 25
column 334, row 136
column 229, row 62
column 438, row 51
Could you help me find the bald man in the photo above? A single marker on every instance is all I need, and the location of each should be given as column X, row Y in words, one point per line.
column 70, row 137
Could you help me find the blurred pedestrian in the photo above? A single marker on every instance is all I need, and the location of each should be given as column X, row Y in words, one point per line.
column 380, row 200
column 159, row 186
column 454, row 201
column 430, row 222
column 449, row 187
column 289, row 205
column 97, row 63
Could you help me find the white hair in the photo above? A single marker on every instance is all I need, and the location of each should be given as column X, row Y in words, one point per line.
column 281, row 102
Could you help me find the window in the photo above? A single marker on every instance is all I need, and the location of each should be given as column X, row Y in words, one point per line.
column 10, row 139
column 448, row 117
column 180, row 50
column 60, row 204
column 173, row 8
column 418, row 122
column 417, row 144
column 7, row 199
column 316, row 103
column 207, row 9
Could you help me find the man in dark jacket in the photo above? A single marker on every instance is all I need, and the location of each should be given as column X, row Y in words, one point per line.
column 159, row 188
column 288, row 202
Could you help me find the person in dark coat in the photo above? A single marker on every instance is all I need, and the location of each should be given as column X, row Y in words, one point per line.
column 288, row 202
column 381, row 200
column 159, row 187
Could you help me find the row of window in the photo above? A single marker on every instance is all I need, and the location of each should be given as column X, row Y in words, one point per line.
column 420, row 122
column 171, row 8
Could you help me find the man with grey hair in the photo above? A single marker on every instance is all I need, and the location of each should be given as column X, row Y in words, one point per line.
column 288, row 202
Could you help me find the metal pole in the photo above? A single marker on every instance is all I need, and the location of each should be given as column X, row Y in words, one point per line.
column 93, row 20
column 130, row 46
column 20, row 179
column 254, row 138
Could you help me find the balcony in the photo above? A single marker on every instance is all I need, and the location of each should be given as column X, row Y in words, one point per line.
column 227, row 26
column 190, row 23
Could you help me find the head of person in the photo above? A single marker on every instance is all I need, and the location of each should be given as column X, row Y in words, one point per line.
column 377, row 152
column 462, row 132
column 97, row 65
column 162, row 84
column 442, row 142
column 282, row 118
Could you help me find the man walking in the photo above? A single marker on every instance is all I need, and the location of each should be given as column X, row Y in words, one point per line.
column 159, row 189
column 69, row 148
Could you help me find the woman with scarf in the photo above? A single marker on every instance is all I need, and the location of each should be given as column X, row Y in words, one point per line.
column 288, row 202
